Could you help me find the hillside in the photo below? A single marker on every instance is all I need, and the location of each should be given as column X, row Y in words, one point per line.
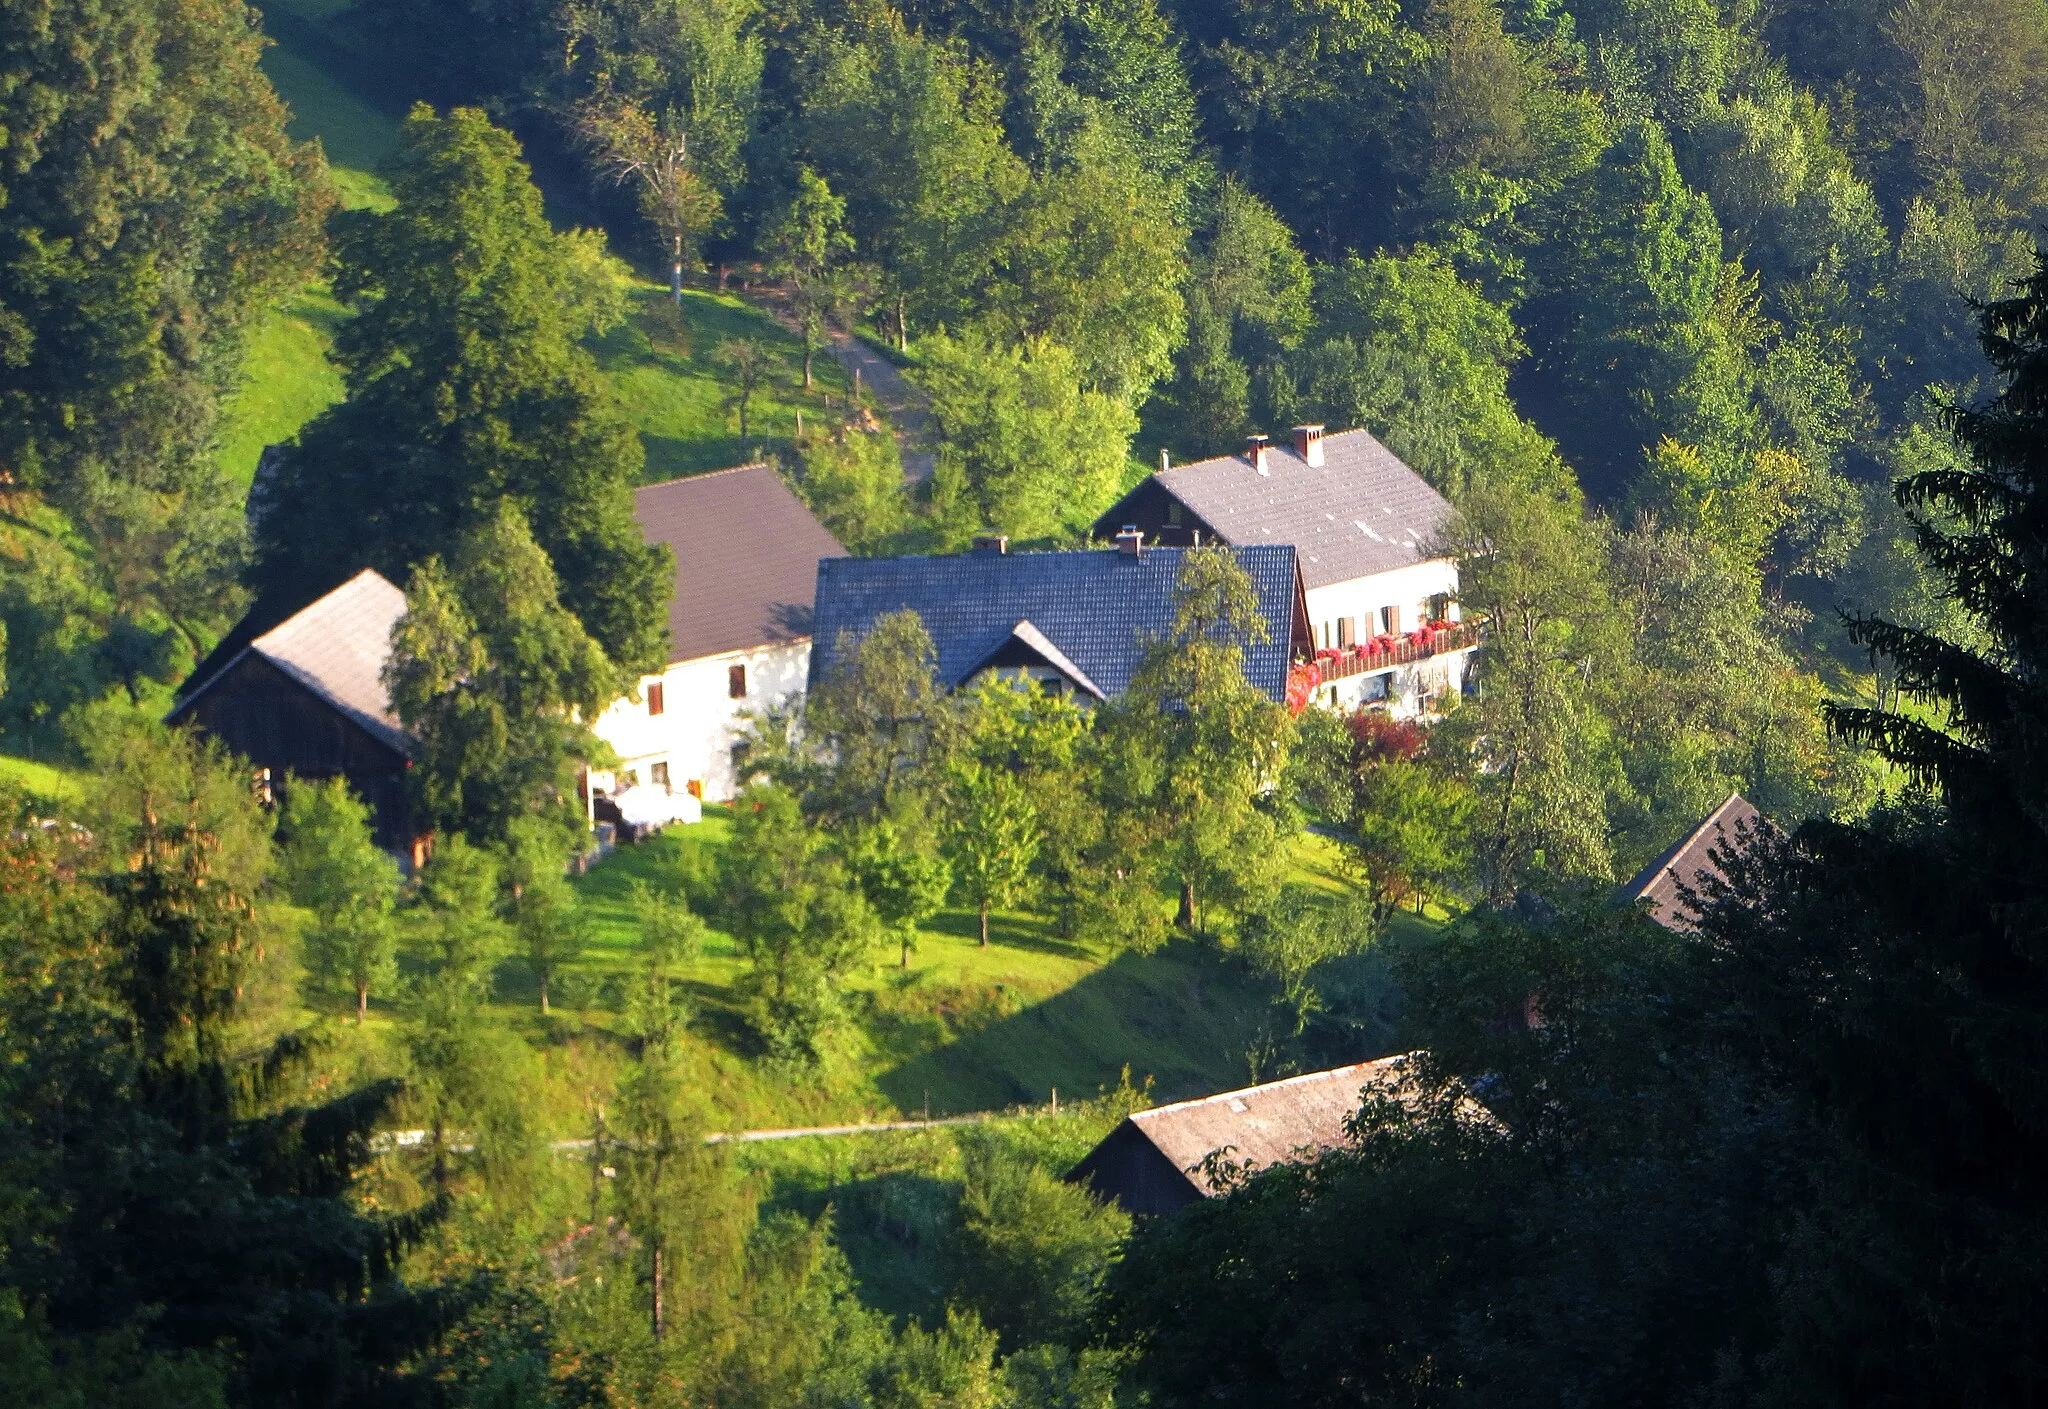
column 661, row 364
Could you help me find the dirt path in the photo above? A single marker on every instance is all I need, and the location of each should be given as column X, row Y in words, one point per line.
column 895, row 397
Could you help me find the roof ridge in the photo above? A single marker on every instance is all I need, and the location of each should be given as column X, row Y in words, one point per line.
column 707, row 474
column 1242, row 1091
column 256, row 643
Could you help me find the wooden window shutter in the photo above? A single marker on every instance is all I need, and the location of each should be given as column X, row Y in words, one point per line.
column 736, row 682
column 655, row 703
column 1393, row 616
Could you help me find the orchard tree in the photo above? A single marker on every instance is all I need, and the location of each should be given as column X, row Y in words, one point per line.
column 902, row 872
column 800, row 919
column 543, row 908
column 1191, row 747
column 808, row 245
column 333, row 867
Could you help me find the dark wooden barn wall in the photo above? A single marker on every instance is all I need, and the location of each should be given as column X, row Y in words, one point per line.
column 277, row 723
column 1128, row 1169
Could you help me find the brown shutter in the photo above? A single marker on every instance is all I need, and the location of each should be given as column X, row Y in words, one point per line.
column 1393, row 615
column 736, row 682
column 655, row 704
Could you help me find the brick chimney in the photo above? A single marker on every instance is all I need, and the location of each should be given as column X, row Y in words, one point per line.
column 1255, row 451
column 1308, row 444
column 1131, row 542
column 996, row 543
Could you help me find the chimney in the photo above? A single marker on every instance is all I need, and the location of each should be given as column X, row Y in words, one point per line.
column 1308, row 444
column 1165, row 459
column 1255, row 451
column 996, row 543
column 1131, row 543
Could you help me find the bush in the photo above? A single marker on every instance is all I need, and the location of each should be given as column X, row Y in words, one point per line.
column 1032, row 1251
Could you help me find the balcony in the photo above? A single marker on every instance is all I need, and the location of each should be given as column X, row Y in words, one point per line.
column 1385, row 652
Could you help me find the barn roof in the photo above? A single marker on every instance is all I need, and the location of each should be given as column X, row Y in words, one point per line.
column 1691, row 857
column 1360, row 512
column 1259, row 1126
column 746, row 553
column 1088, row 614
column 336, row 647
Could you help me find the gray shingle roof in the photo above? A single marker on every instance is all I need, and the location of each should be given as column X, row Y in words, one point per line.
column 1096, row 608
column 1362, row 511
column 746, row 552
column 336, row 647
column 1732, row 824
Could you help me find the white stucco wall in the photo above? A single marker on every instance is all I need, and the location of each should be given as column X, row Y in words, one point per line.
column 1404, row 689
column 699, row 721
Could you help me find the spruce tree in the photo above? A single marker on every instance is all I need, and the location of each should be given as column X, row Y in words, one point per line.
column 1896, row 969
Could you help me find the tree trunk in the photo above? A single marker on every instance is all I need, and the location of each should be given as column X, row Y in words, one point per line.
column 362, row 1002
column 810, row 351
column 906, row 949
column 660, row 1323
column 984, row 924
column 1186, row 918
column 902, row 327
column 543, row 996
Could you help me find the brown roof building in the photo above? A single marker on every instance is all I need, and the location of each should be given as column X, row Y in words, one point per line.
column 739, row 619
column 1692, row 857
column 746, row 553
column 1154, row 1161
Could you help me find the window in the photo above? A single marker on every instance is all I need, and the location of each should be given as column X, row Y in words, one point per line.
column 655, row 703
column 658, row 774
column 1173, row 511
column 736, row 682
column 1344, row 630
column 1390, row 618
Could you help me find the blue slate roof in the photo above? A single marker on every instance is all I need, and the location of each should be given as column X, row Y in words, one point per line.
column 1099, row 607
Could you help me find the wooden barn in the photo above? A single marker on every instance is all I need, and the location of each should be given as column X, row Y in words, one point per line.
column 307, row 696
column 1154, row 1162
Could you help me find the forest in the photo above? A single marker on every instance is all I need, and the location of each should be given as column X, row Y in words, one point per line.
column 1721, row 324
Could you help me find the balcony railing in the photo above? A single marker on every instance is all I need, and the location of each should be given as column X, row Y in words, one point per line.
column 1385, row 652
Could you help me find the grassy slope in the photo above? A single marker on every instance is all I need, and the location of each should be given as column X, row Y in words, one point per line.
column 664, row 372
column 964, row 1027
column 42, row 780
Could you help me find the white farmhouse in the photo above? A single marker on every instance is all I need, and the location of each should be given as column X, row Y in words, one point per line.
column 1380, row 600
column 739, row 622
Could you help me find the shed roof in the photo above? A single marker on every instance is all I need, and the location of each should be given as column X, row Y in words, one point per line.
column 1731, row 824
column 1096, row 610
column 746, row 553
column 1360, row 512
column 1274, row 1123
column 336, row 646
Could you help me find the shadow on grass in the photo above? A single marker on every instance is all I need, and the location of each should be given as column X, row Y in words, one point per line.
column 894, row 1228
column 1010, row 931
column 1181, row 1016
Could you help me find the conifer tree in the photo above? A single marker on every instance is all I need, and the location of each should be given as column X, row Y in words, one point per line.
column 1897, row 968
